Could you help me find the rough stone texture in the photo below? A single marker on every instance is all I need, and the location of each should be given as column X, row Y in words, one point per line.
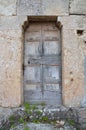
column 29, row 7
column 43, row 7
column 55, row 7
column 8, row 7
column 78, row 115
column 12, row 22
column 74, row 53
column 82, row 115
column 77, row 6
column 11, row 53
column 74, row 60
column 5, row 113
column 73, row 22
column 10, row 68
column 34, row 126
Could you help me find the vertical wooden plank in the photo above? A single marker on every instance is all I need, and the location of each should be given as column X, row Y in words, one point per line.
column 52, row 48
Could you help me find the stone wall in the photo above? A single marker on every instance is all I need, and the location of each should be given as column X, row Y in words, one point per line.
column 72, row 16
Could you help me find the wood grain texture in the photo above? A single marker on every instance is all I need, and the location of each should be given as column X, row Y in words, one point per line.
column 42, row 75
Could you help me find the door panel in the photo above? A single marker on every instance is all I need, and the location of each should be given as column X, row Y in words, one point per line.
column 32, row 73
column 51, row 73
column 29, row 96
column 51, row 47
column 42, row 63
column 32, row 48
column 52, row 87
column 45, row 60
column 33, row 36
column 34, row 27
column 49, row 26
column 53, row 100
column 51, row 35
column 30, row 86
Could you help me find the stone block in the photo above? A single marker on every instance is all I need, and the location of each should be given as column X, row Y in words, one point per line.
column 73, row 22
column 8, row 7
column 55, row 7
column 29, row 7
column 12, row 22
column 82, row 115
column 43, row 8
column 10, row 68
column 74, row 66
column 77, row 6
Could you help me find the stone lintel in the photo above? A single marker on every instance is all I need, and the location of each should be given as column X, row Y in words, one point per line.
column 43, row 7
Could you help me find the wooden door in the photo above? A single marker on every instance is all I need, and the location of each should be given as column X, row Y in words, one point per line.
column 42, row 66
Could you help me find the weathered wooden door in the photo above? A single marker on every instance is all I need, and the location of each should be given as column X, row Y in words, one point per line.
column 42, row 66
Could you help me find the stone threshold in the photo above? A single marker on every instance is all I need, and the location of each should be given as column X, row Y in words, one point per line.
column 57, row 113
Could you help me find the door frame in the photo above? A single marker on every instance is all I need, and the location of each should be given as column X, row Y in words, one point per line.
column 59, row 25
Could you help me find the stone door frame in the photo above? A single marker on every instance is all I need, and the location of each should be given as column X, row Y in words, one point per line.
column 60, row 27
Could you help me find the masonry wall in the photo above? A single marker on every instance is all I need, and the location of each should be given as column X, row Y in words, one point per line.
column 71, row 14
